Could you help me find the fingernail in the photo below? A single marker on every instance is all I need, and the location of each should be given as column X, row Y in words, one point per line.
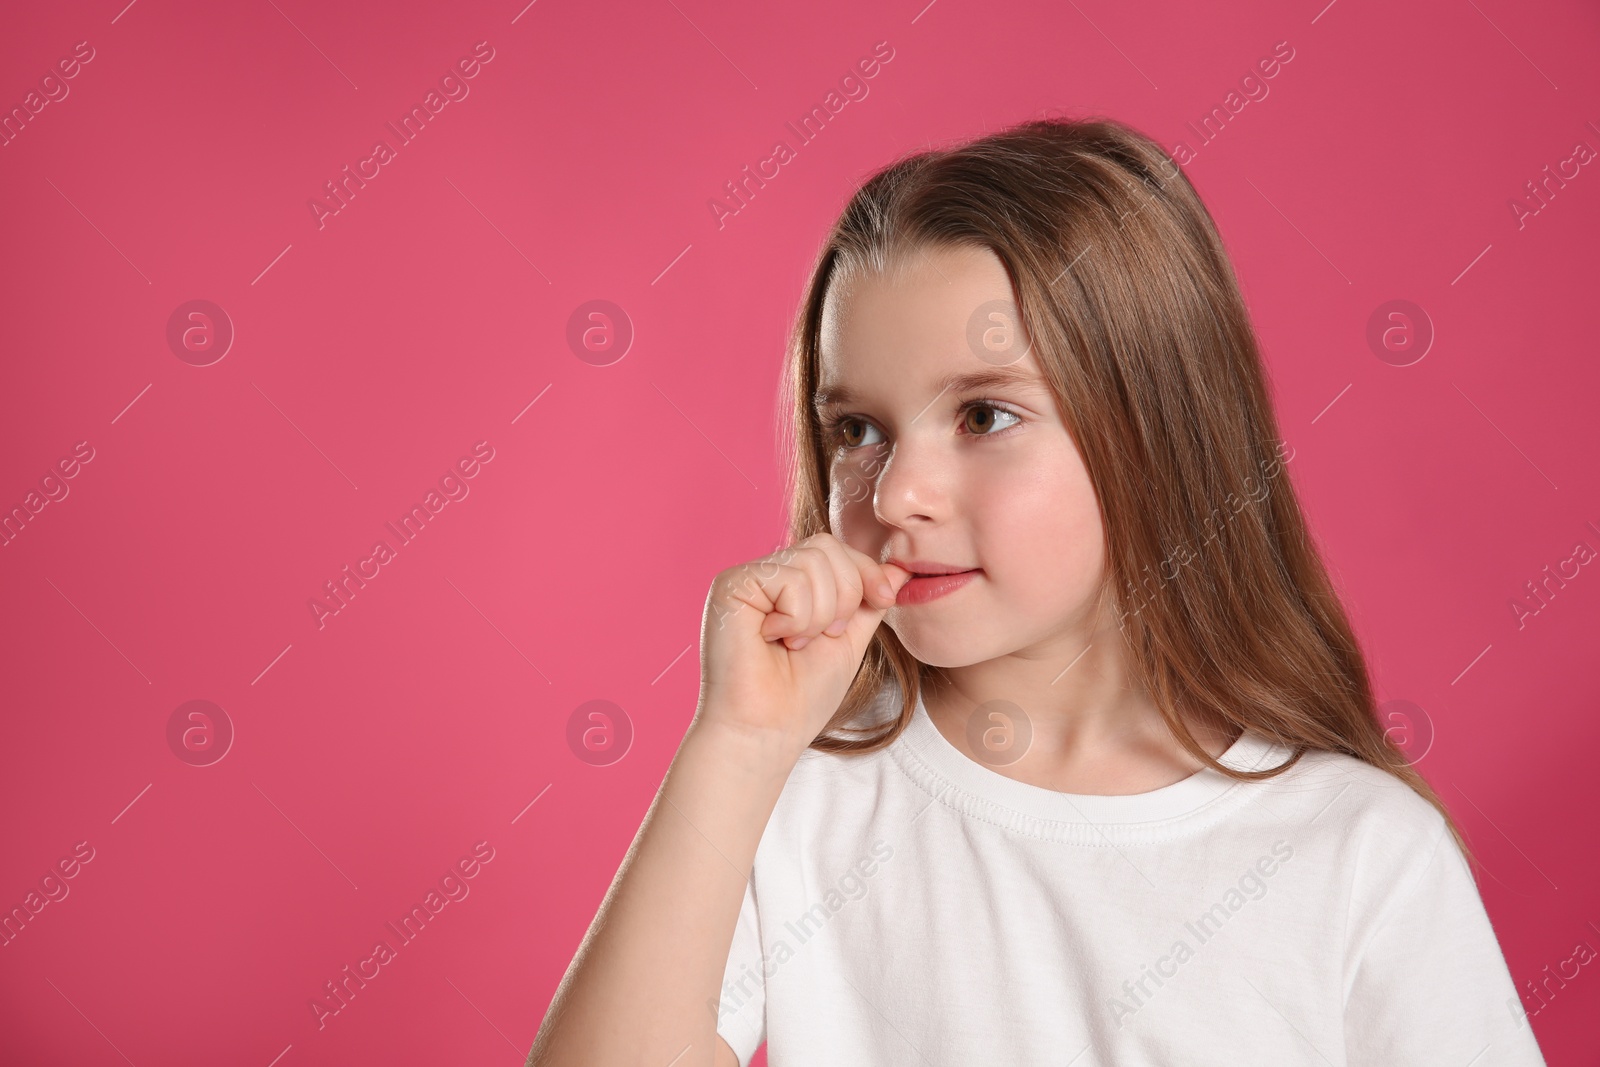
column 886, row 591
column 836, row 627
column 799, row 643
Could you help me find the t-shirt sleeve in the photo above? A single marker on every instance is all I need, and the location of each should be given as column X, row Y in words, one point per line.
column 1430, row 984
column 741, row 1012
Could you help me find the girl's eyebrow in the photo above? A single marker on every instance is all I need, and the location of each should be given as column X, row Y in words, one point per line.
column 961, row 383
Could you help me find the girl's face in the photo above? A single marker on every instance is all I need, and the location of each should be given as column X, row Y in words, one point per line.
column 926, row 468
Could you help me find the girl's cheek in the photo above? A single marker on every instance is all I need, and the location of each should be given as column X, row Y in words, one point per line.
column 849, row 499
column 850, row 513
column 856, row 491
column 1041, row 516
column 852, row 481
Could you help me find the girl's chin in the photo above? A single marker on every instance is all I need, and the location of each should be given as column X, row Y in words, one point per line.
column 934, row 646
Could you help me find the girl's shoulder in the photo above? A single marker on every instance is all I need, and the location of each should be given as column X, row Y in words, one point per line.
column 1369, row 812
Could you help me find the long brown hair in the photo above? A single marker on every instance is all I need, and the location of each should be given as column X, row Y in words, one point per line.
column 1127, row 294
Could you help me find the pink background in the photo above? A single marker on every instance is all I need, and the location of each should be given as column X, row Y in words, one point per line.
column 373, row 752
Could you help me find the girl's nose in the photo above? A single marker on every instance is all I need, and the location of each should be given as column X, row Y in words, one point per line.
column 911, row 486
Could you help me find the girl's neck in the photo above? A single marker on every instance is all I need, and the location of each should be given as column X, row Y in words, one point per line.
column 1095, row 736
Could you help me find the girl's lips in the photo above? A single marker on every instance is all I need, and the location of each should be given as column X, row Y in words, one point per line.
column 921, row 589
column 923, row 568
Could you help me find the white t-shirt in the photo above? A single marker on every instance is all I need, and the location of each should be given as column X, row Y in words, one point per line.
column 914, row 906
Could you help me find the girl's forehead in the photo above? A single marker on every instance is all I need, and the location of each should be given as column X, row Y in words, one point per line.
column 923, row 306
column 950, row 319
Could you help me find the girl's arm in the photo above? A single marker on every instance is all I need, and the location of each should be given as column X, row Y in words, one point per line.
column 781, row 640
column 645, row 982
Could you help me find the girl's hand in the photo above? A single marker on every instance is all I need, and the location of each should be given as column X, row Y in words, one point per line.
column 783, row 636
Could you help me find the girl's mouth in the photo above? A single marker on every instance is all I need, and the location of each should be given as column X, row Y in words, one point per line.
column 924, row 587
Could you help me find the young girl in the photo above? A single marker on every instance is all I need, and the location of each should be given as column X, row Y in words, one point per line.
column 1106, row 786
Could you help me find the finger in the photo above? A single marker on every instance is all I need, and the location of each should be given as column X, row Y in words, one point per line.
column 875, row 575
column 897, row 576
column 847, row 578
column 788, row 601
column 861, row 626
column 824, row 588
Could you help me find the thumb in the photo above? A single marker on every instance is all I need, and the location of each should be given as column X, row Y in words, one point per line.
column 867, row 616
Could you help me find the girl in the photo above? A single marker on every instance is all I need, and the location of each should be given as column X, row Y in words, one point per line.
column 1106, row 786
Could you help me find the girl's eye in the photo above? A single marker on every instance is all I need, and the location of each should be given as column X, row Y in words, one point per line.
column 979, row 418
column 842, row 429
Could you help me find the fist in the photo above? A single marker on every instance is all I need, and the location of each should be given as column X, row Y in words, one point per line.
column 783, row 636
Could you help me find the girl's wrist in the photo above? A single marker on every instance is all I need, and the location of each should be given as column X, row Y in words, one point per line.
column 764, row 753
